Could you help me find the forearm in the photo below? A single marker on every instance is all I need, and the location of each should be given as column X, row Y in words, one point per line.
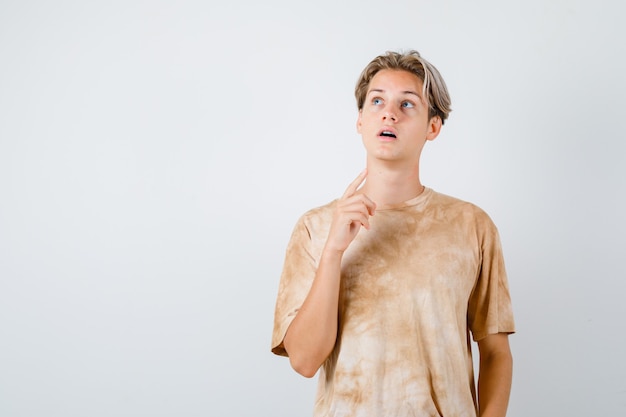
column 313, row 332
column 494, row 383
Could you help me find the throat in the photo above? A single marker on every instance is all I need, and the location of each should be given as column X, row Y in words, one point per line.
column 389, row 190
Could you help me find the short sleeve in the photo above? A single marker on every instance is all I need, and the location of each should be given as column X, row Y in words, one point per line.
column 490, row 310
column 295, row 282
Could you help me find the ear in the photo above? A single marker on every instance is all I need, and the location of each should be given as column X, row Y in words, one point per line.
column 434, row 127
column 359, row 122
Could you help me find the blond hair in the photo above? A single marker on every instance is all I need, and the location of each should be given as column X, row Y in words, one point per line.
column 434, row 87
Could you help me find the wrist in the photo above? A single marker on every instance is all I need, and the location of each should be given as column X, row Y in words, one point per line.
column 330, row 253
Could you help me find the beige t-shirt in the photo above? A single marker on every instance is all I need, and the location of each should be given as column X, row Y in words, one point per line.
column 427, row 273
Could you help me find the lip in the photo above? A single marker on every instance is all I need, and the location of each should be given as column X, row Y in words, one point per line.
column 387, row 138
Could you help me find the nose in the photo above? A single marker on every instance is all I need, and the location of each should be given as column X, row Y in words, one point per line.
column 389, row 114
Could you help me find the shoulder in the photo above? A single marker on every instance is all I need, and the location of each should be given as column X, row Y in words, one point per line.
column 316, row 221
column 454, row 207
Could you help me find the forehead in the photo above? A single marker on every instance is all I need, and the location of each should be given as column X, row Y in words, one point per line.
column 395, row 80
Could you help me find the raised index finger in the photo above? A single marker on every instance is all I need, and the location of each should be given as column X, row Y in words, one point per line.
column 354, row 185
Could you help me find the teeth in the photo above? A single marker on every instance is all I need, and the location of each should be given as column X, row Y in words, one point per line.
column 387, row 133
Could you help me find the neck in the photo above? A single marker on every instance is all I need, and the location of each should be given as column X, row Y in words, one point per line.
column 387, row 185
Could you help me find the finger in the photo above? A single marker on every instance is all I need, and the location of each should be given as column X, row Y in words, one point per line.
column 356, row 218
column 365, row 221
column 361, row 201
column 358, row 211
column 354, row 185
column 369, row 205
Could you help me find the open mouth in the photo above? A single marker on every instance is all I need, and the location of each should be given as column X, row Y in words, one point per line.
column 387, row 134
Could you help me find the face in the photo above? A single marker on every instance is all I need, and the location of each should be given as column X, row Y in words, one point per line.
column 394, row 122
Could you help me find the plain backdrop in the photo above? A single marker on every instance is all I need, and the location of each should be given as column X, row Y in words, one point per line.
column 155, row 155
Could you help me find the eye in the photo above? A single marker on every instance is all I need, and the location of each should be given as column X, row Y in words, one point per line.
column 377, row 101
column 407, row 105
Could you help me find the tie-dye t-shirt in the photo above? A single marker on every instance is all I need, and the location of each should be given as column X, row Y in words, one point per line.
column 427, row 275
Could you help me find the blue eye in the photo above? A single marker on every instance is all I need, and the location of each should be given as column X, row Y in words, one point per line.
column 407, row 105
column 376, row 101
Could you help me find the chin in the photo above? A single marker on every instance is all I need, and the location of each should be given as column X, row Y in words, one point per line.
column 385, row 156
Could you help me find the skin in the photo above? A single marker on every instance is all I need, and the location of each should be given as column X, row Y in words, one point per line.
column 394, row 103
column 495, row 375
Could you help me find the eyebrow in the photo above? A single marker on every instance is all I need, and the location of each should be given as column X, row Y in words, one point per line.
column 380, row 90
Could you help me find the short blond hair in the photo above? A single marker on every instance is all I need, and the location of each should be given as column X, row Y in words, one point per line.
column 434, row 87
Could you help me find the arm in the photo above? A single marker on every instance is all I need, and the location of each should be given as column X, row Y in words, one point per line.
column 495, row 376
column 312, row 334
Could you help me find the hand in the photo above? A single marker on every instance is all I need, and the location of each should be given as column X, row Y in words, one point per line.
column 351, row 213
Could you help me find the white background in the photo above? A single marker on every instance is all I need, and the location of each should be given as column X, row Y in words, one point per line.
column 155, row 155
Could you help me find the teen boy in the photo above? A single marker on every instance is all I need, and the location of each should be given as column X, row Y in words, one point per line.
column 382, row 288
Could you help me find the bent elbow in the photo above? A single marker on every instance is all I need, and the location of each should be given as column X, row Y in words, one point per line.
column 304, row 368
column 306, row 361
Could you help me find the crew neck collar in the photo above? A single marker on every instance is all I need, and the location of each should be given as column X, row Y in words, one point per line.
column 417, row 200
